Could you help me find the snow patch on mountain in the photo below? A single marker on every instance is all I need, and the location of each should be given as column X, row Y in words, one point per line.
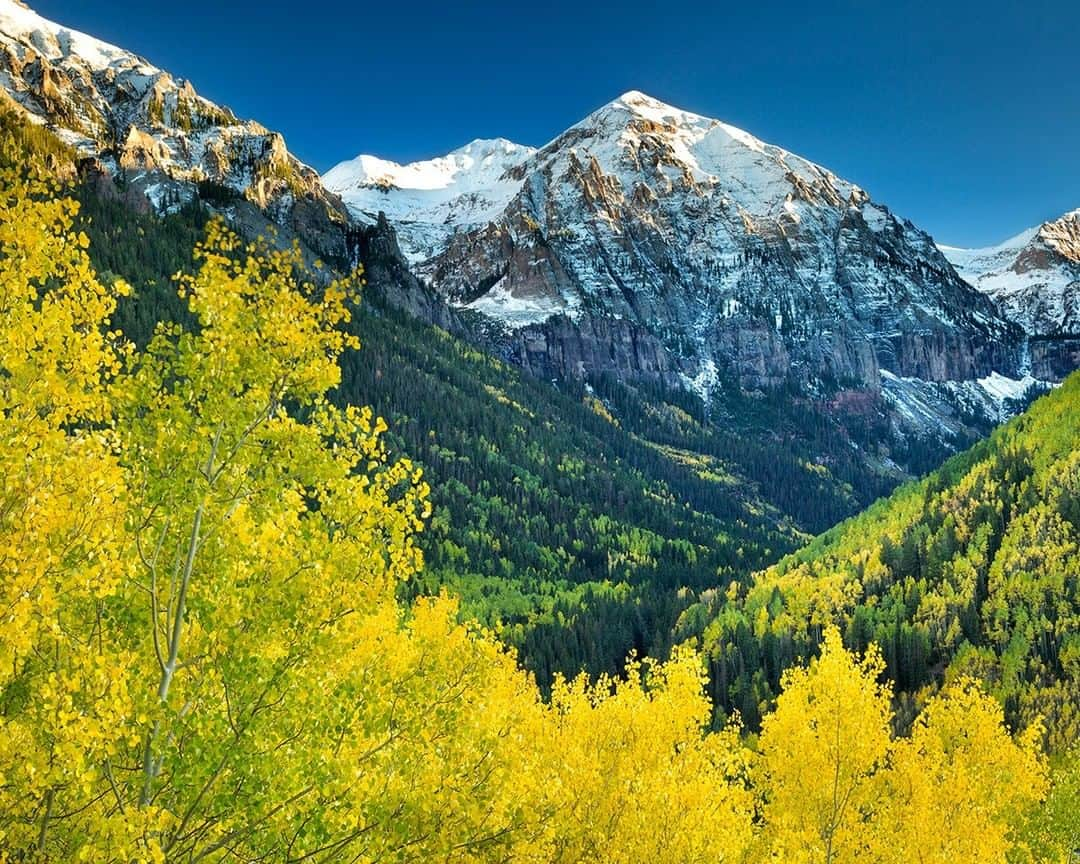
column 499, row 303
column 923, row 404
column 705, row 382
column 1001, row 389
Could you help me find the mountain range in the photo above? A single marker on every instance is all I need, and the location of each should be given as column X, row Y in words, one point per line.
column 645, row 240
column 714, row 252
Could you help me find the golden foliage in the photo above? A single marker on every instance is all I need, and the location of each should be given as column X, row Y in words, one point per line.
column 821, row 748
column 958, row 782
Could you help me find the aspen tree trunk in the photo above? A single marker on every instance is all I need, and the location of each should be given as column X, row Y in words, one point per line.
column 168, row 668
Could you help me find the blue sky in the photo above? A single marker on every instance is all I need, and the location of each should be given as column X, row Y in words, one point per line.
column 962, row 116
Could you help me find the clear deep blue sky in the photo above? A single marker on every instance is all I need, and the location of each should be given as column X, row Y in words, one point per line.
column 962, row 115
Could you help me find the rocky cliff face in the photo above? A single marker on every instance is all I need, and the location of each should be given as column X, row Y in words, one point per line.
column 559, row 347
column 1053, row 359
column 138, row 123
column 386, row 272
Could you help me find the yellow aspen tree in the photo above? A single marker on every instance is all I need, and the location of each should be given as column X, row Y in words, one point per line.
column 65, row 707
column 450, row 765
column 634, row 776
column 820, row 748
column 270, row 528
column 955, row 787
column 296, row 711
column 207, row 658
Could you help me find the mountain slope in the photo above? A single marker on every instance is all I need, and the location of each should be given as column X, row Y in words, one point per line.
column 1034, row 277
column 128, row 119
column 975, row 569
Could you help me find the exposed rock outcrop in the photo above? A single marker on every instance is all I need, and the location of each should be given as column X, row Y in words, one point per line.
column 139, row 124
column 1053, row 359
column 560, row 347
column 386, row 272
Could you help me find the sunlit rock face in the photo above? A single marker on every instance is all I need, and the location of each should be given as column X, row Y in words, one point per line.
column 163, row 139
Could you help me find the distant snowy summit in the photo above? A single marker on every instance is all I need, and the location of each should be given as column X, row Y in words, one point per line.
column 1034, row 278
column 429, row 200
column 470, row 186
column 729, row 252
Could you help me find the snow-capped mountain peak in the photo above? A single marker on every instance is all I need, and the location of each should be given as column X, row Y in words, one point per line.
column 686, row 125
column 762, row 179
column 476, row 165
column 431, row 198
column 1033, row 277
column 18, row 22
column 126, row 117
column 651, row 238
column 468, row 188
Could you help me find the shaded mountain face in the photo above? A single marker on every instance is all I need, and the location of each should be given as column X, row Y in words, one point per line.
column 1034, row 278
column 132, row 121
column 653, row 243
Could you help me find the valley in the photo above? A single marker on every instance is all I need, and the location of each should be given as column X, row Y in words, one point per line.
column 654, row 311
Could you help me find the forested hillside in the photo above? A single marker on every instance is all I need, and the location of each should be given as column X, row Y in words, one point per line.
column 583, row 519
column 973, row 571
